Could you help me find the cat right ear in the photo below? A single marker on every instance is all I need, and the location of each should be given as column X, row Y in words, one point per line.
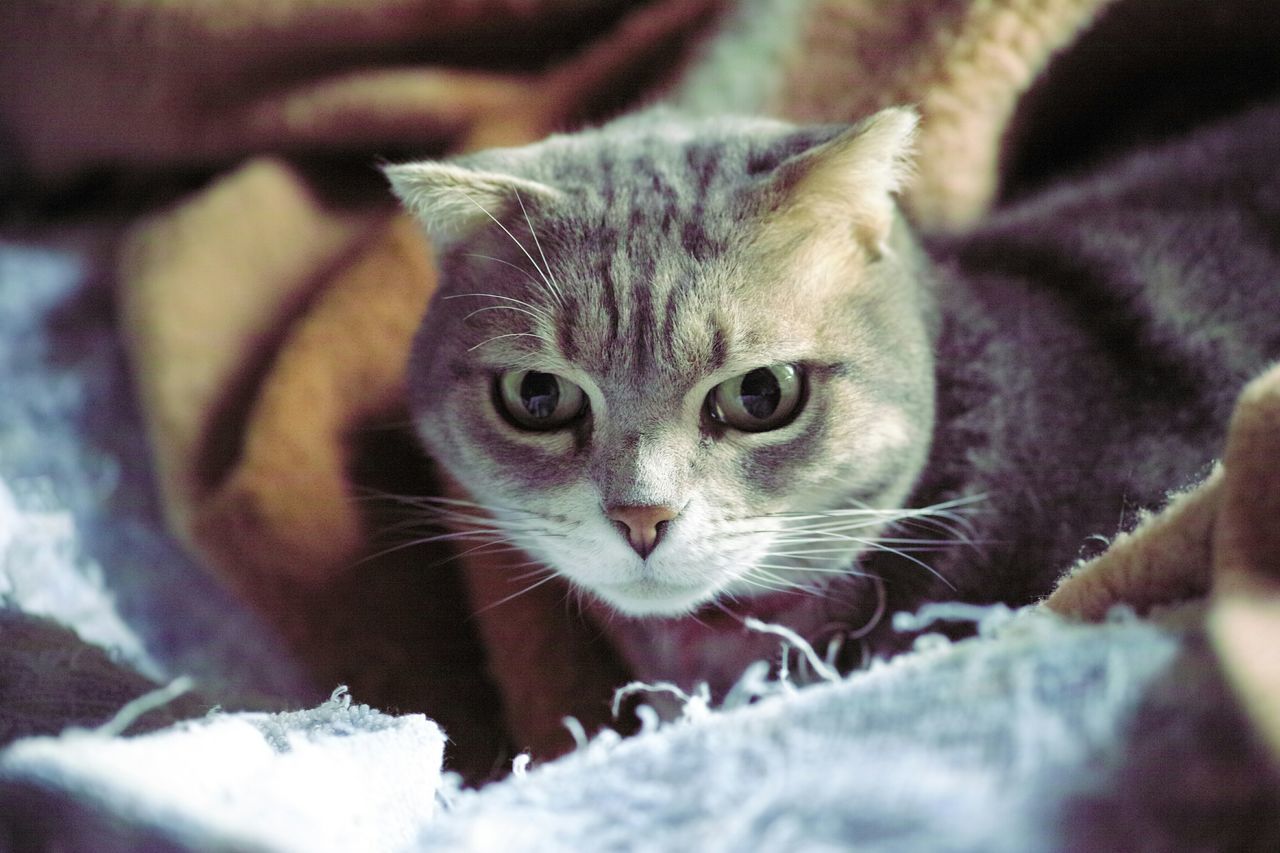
column 852, row 178
column 452, row 201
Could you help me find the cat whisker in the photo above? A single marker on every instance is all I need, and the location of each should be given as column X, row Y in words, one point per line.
column 869, row 517
column 952, row 511
column 483, row 548
column 809, row 588
column 540, row 570
column 818, row 526
column 756, row 582
column 461, row 511
column 550, row 279
column 426, row 540
column 542, row 338
column 554, row 291
column 826, row 515
column 914, row 546
column 502, row 297
column 439, row 516
column 823, row 537
column 550, row 577
column 494, row 547
column 502, row 308
column 955, row 535
column 469, row 529
column 368, row 493
column 940, row 506
column 418, row 524
column 515, row 267
column 439, row 525
column 877, row 546
column 808, row 570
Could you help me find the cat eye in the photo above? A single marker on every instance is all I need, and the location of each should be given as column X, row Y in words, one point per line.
column 538, row 401
column 763, row 399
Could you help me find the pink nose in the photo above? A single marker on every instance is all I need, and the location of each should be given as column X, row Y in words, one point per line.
column 644, row 525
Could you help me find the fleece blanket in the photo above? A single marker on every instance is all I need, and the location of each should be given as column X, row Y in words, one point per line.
column 1037, row 734
column 273, row 420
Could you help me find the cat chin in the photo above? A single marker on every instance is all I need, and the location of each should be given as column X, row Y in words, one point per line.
column 648, row 598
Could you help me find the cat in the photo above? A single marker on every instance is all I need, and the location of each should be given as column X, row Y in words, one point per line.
column 703, row 369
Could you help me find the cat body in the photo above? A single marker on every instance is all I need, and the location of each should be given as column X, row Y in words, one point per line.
column 1095, row 340
column 704, row 370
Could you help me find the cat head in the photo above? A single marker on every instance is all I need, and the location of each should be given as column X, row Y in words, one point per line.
column 678, row 361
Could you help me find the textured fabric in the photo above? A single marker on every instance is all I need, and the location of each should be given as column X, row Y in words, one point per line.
column 1038, row 735
column 110, row 83
column 338, row 777
column 1118, row 736
column 81, row 541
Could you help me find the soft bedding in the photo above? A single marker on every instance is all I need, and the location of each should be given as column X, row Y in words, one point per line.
column 145, row 706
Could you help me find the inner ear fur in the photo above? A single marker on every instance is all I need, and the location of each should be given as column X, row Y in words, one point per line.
column 851, row 180
column 452, row 201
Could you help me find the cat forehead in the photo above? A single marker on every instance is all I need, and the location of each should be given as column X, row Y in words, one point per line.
column 650, row 204
column 655, row 151
column 645, row 259
column 671, row 325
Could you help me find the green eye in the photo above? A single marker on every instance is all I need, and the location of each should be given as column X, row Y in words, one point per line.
column 764, row 399
column 538, row 401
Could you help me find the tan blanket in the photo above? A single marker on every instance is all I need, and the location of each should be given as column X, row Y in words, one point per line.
column 268, row 316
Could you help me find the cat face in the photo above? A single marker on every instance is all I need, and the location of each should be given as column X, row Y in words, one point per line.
column 676, row 361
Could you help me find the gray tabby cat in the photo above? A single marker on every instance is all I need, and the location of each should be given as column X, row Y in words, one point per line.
column 702, row 367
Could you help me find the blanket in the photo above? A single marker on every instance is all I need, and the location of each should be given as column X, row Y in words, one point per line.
column 290, row 254
column 1038, row 734
column 270, row 420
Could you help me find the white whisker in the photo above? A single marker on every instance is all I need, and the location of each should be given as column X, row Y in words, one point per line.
column 515, row 267
column 519, row 245
column 502, row 308
column 756, row 582
column 551, row 281
column 932, row 547
column 805, row 570
column 515, row 595
column 542, row 338
column 813, row 589
column 538, row 310
column 874, row 545
column 444, row 537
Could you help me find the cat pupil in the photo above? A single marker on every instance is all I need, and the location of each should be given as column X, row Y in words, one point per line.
column 760, row 393
column 540, row 394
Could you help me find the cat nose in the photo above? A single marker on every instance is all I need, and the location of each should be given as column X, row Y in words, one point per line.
column 642, row 525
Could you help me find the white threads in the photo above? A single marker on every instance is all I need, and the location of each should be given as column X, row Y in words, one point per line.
column 693, row 706
column 339, row 698
column 147, row 702
column 820, row 667
column 987, row 617
column 577, row 731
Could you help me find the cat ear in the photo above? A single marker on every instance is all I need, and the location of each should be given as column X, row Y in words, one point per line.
column 452, row 201
column 853, row 177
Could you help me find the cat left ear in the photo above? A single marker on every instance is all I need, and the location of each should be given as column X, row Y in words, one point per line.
column 853, row 177
column 452, row 201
